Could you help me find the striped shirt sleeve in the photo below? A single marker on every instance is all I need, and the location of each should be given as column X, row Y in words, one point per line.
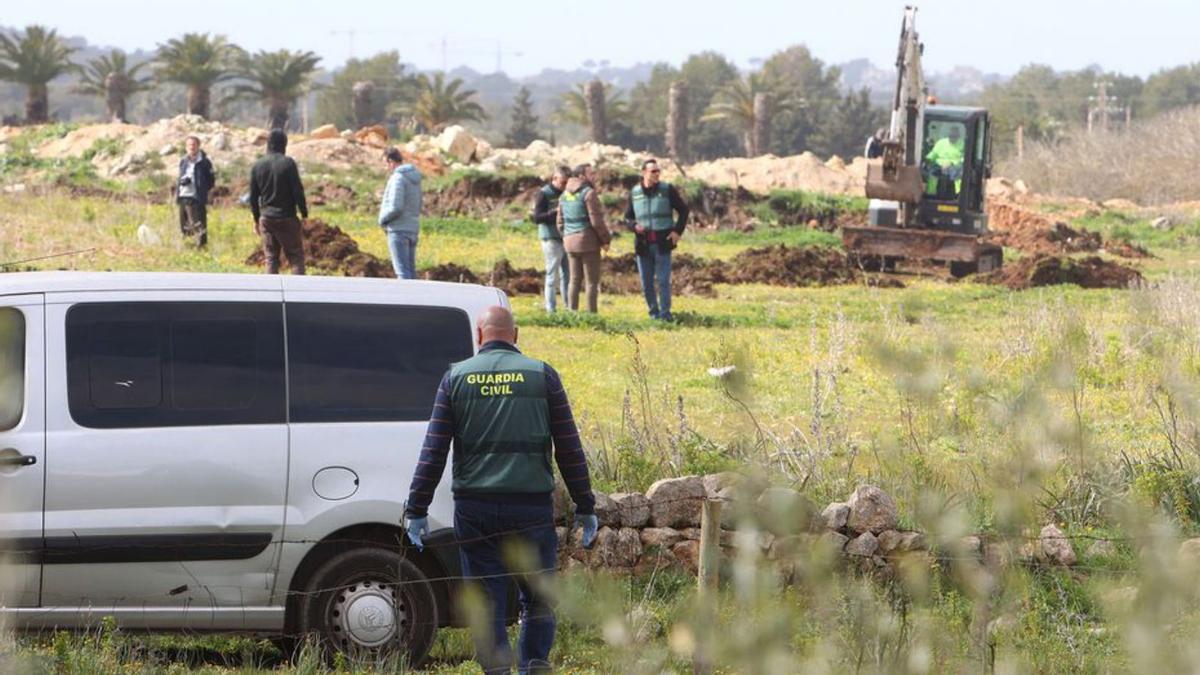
column 568, row 449
column 434, row 453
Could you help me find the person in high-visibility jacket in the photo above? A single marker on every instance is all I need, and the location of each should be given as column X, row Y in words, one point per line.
column 946, row 159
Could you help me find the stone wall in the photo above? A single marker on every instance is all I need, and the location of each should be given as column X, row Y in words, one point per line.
column 661, row 530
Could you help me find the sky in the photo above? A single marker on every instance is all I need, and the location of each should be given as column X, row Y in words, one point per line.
column 997, row 36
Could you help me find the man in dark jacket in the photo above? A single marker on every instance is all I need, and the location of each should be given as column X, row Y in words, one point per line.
column 191, row 191
column 545, row 214
column 508, row 417
column 648, row 215
column 276, row 193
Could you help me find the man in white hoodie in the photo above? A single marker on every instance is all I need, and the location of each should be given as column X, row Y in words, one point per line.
column 400, row 213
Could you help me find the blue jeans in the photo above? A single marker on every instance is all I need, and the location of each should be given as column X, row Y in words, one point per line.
column 403, row 247
column 558, row 272
column 655, row 265
column 482, row 529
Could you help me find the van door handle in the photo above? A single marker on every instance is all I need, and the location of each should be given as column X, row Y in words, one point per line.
column 18, row 460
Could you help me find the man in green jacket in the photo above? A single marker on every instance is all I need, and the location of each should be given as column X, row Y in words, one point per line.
column 649, row 215
column 946, row 159
column 545, row 214
column 509, row 419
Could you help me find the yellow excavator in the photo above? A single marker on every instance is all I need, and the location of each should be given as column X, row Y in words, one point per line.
column 926, row 191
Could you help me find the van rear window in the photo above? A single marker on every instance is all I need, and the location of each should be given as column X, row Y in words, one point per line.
column 167, row 364
column 12, row 367
column 370, row 363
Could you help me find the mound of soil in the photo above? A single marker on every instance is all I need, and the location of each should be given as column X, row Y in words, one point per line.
column 450, row 272
column 331, row 193
column 1032, row 232
column 329, row 249
column 791, row 266
column 1126, row 249
column 1045, row 270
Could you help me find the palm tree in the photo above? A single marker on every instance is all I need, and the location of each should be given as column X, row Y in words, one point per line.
column 276, row 78
column 33, row 59
column 573, row 106
column 111, row 77
column 440, row 104
column 198, row 61
column 735, row 103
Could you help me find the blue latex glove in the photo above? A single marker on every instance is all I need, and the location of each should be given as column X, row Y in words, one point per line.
column 417, row 528
column 590, row 524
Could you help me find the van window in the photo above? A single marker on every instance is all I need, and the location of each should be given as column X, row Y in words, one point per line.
column 363, row 363
column 12, row 367
column 165, row 364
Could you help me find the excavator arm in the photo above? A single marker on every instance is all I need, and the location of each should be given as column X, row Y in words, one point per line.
column 898, row 176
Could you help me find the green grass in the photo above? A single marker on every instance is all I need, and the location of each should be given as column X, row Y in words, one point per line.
column 977, row 408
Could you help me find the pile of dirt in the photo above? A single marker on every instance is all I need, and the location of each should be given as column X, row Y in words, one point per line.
column 1048, row 270
column 690, row 276
column 797, row 172
column 1025, row 230
column 328, row 248
column 1123, row 248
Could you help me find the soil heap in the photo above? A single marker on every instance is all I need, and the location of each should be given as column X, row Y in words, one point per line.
column 329, row 249
column 1047, row 270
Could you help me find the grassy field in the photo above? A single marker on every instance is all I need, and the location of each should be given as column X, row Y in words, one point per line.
column 980, row 409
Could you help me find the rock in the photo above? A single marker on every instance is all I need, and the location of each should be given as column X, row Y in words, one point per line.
column 969, row 546
column 690, row 533
column 562, row 504
column 626, row 549
column 997, row 555
column 889, row 541
column 1021, row 187
column 483, row 149
column 834, row 540
column 715, row 483
column 688, row 555
column 871, row 510
column 1162, row 223
column 220, row 141
column 675, row 502
column 457, row 142
column 1190, row 550
column 633, row 507
column 166, row 150
column 602, row 550
column 864, row 545
column 1102, row 548
column 375, row 135
column 147, row 236
column 606, row 510
column 347, row 134
column 835, row 515
column 785, row 511
column 15, row 188
column 563, row 535
column 662, row 538
column 1054, row 547
column 325, row 131
column 911, row 541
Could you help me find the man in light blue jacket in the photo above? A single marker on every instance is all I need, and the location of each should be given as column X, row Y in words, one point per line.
column 400, row 213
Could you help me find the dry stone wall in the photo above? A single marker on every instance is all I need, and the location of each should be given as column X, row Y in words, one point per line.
column 661, row 530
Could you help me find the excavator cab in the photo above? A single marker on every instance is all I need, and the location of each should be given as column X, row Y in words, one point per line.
column 955, row 164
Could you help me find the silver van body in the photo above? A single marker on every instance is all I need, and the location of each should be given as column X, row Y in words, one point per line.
column 184, row 451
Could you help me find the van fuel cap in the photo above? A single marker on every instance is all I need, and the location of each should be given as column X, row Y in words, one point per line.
column 335, row 482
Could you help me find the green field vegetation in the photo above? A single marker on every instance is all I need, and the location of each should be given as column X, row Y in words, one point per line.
column 980, row 409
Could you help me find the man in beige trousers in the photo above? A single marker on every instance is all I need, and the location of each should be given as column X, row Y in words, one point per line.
column 581, row 222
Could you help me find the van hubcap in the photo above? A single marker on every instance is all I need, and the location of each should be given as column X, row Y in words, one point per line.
column 367, row 614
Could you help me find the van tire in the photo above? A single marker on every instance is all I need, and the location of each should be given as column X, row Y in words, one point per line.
column 347, row 598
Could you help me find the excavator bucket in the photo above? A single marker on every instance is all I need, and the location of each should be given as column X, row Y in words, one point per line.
column 905, row 187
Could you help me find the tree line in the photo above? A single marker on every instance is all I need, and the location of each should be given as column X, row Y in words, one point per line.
column 702, row 109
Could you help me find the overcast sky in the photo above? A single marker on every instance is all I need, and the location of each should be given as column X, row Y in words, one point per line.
column 994, row 35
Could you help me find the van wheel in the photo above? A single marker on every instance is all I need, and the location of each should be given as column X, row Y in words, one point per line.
column 371, row 604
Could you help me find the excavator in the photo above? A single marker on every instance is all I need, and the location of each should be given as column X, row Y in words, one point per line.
column 926, row 191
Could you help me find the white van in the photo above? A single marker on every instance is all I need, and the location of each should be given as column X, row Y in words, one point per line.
column 225, row 452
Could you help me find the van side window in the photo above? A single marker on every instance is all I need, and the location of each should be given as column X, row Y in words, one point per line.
column 370, row 363
column 12, row 367
column 166, row 364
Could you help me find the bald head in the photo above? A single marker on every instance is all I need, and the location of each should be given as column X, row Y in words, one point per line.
column 496, row 323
